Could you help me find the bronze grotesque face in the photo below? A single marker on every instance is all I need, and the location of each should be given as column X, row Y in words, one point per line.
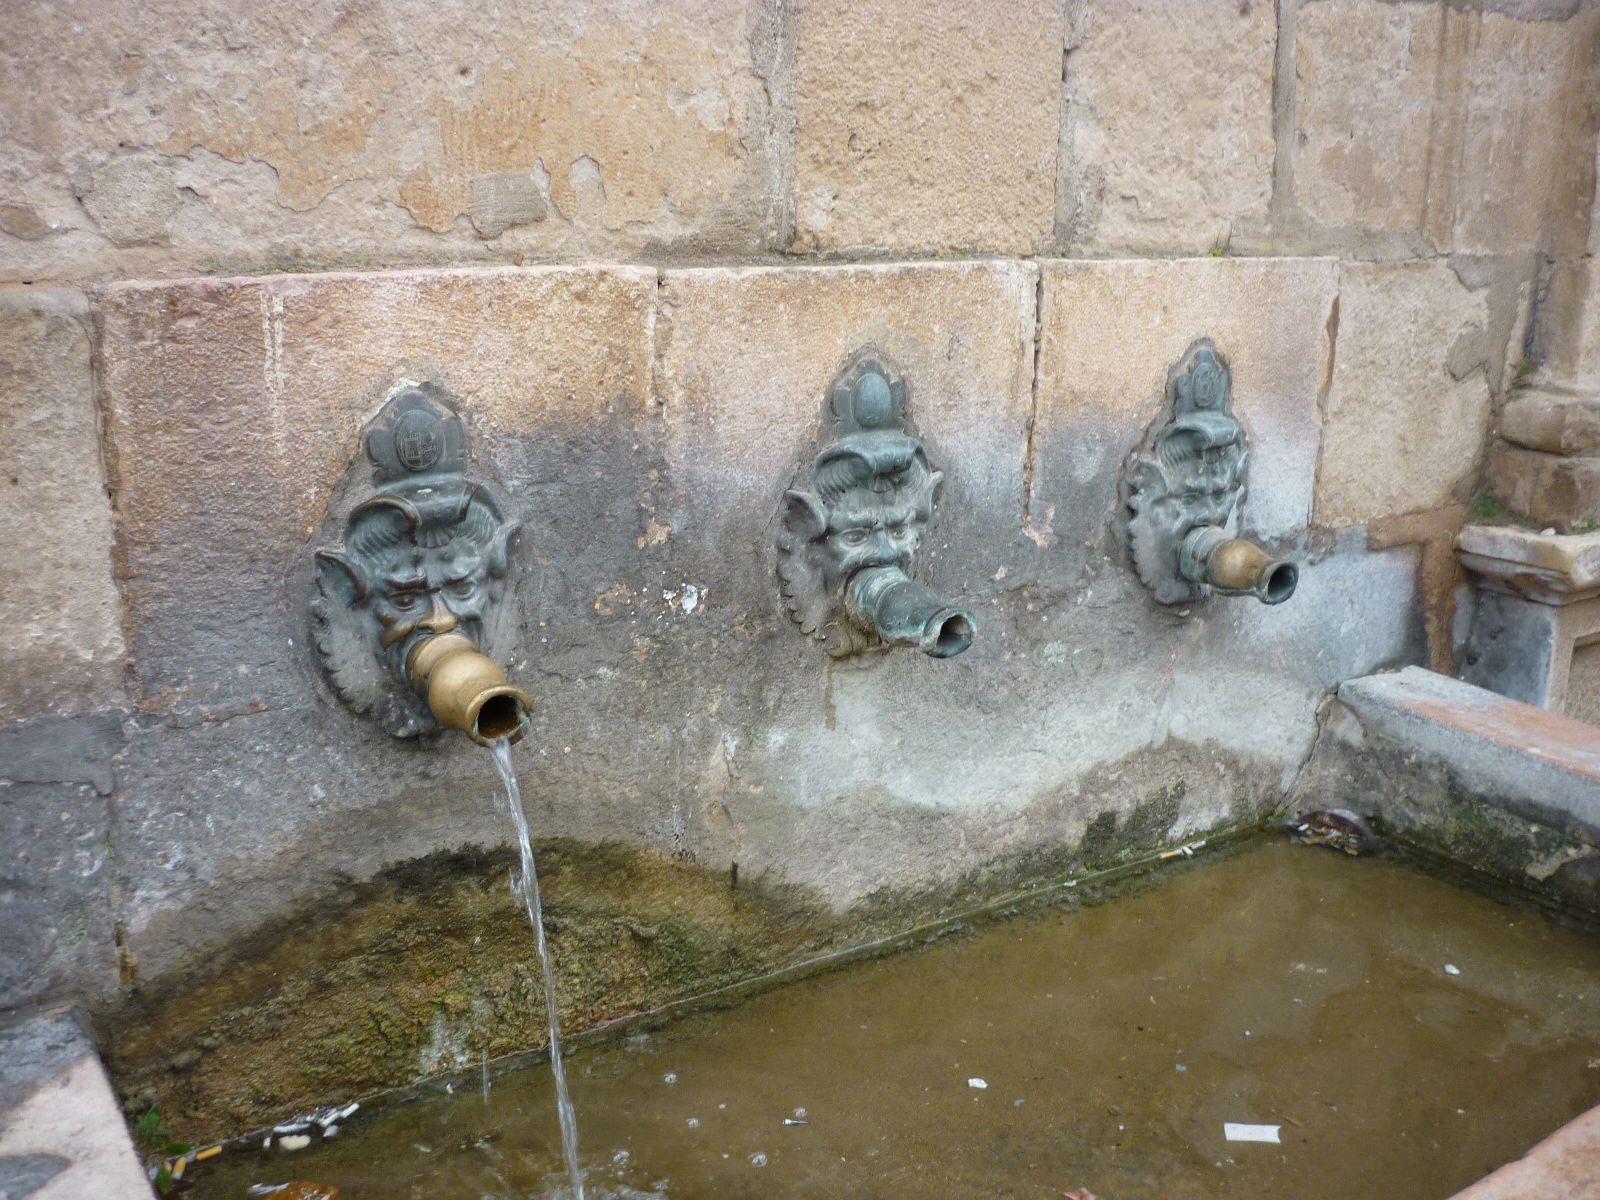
column 872, row 496
column 423, row 555
column 1184, row 484
column 421, row 566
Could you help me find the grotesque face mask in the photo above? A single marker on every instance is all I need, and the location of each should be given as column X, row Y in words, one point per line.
column 1188, row 473
column 871, row 498
column 425, row 554
column 425, row 568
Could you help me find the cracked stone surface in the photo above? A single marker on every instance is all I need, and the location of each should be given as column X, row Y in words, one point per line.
column 1403, row 111
column 1403, row 433
column 647, row 424
column 1176, row 155
column 155, row 138
column 65, row 652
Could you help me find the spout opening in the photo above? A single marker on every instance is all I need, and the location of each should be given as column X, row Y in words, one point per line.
column 500, row 714
column 949, row 635
column 1281, row 580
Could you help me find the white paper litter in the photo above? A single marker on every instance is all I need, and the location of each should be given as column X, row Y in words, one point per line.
column 1236, row 1132
column 975, row 1082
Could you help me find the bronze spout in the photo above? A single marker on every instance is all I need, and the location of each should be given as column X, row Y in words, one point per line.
column 467, row 690
column 904, row 613
column 1236, row 567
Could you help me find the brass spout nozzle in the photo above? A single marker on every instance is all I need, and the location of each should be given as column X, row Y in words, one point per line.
column 905, row 613
column 467, row 690
column 1236, row 567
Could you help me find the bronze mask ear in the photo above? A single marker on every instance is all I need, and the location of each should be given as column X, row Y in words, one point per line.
column 342, row 577
column 1146, row 478
column 499, row 550
column 804, row 515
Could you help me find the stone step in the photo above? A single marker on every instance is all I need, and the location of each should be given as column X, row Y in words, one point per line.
column 1553, row 421
column 61, row 1129
column 1538, row 765
column 1565, row 1166
column 1548, row 489
column 1553, row 568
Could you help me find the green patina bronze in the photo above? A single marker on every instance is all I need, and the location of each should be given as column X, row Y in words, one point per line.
column 846, row 546
column 1182, row 487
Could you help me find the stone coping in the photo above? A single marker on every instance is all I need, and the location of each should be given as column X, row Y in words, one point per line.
column 710, row 265
column 1539, row 764
column 1554, row 568
column 1565, row 1166
column 62, row 1136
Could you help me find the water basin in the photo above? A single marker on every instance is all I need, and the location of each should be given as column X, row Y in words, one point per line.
column 1405, row 1036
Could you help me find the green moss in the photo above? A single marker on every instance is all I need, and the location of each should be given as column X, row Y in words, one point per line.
column 1487, row 507
column 431, row 966
column 1099, row 845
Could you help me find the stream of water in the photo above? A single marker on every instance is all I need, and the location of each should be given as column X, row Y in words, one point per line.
column 527, row 885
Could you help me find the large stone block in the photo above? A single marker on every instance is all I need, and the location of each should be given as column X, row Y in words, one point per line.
column 1555, row 422
column 1467, row 128
column 926, row 129
column 201, row 133
column 56, row 926
column 1570, row 326
column 1471, row 776
column 63, row 651
column 1167, row 126
column 1548, row 489
column 1537, row 764
column 1110, row 332
column 1530, row 109
column 1403, row 432
column 748, row 355
column 1366, row 75
column 234, row 406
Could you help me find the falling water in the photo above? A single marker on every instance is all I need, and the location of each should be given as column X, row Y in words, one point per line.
column 528, row 885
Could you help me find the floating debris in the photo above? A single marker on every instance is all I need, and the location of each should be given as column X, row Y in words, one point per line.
column 795, row 1121
column 975, row 1082
column 1238, row 1132
column 1185, row 851
column 1451, row 969
column 1336, row 827
column 298, row 1190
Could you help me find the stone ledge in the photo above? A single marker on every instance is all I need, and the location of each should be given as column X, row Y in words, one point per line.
column 1554, row 568
column 61, row 1131
column 1565, row 1166
column 1549, row 489
column 1553, row 421
column 1537, row 764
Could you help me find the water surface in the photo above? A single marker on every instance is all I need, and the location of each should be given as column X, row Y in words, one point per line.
column 1406, row 1036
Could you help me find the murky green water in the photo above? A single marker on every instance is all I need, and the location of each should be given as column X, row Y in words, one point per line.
column 1290, row 986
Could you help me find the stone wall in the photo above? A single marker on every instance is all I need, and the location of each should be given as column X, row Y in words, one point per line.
column 635, row 240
